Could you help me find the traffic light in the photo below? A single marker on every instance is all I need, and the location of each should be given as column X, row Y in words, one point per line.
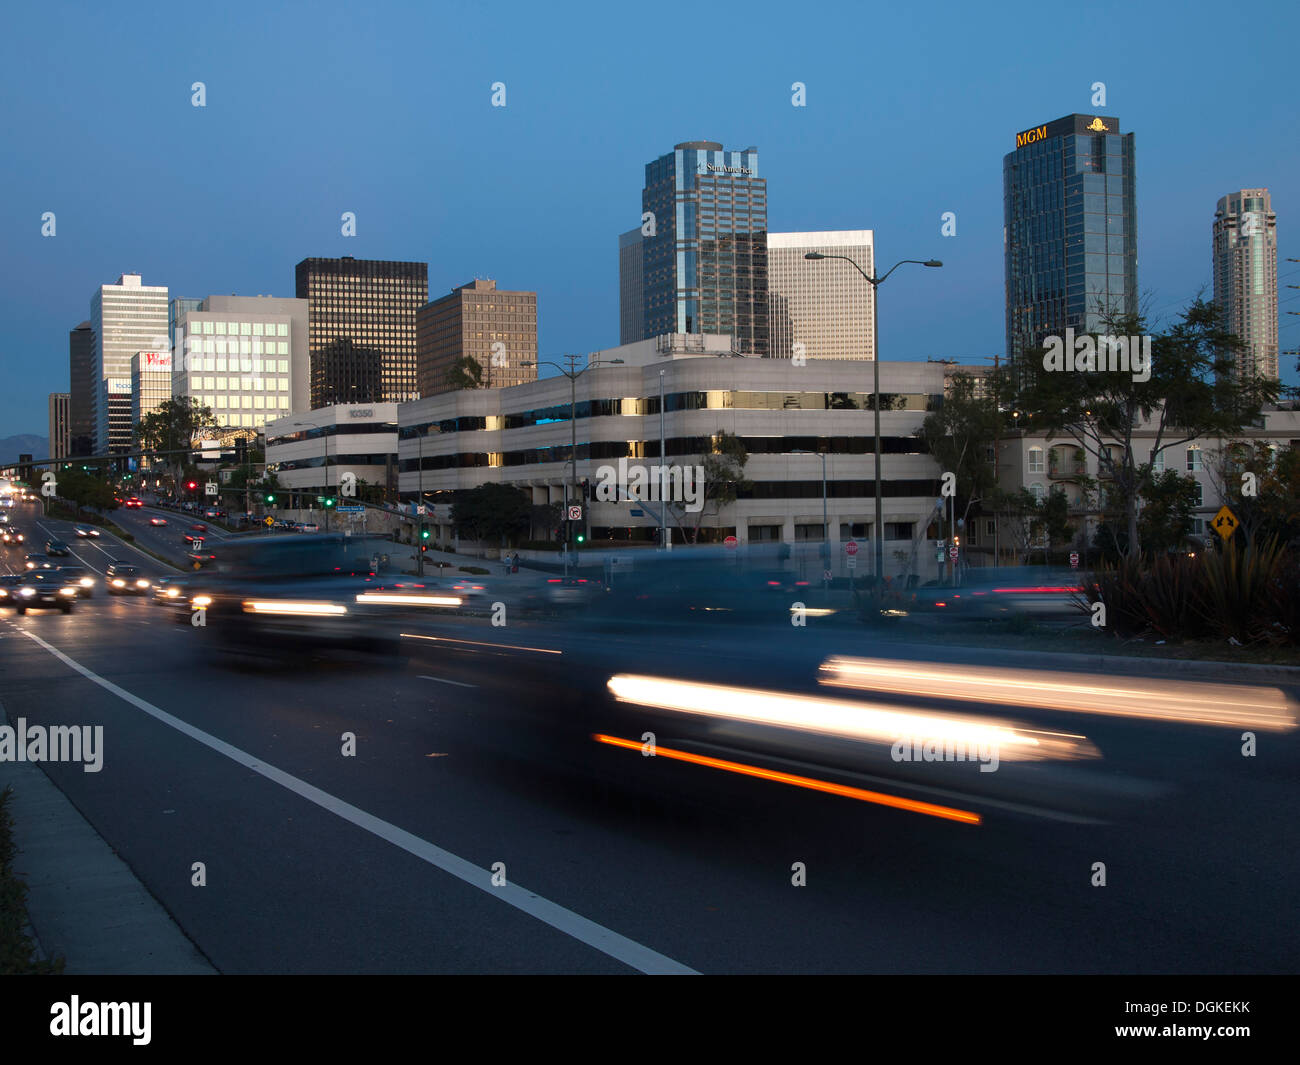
column 424, row 534
column 328, row 501
column 582, row 537
column 192, row 485
column 270, row 498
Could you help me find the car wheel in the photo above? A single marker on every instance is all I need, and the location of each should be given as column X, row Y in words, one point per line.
column 21, row 610
column 67, row 608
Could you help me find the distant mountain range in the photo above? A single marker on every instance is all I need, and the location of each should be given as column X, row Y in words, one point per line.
column 23, row 444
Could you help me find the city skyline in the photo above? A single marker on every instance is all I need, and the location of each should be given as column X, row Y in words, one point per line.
column 829, row 164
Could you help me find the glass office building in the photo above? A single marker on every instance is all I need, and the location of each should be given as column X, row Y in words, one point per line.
column 704, row 268
column 362, row 328
column 1070, row 229
column 1245, row 277
column 126, row 317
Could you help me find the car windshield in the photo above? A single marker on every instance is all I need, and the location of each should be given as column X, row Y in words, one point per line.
column 124, row 571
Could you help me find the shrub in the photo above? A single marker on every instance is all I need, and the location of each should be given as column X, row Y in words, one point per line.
column 1240, row 590
column 477, row 571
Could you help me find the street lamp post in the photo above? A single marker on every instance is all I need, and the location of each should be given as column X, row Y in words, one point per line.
column 419, row 509
column 875, row 283
column 572, row 374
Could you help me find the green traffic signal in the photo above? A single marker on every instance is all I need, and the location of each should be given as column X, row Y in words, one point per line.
column 270, row 499
column 581, row 537
column 424, row 534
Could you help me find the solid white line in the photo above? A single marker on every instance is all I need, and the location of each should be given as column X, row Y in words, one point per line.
column 618, row 947
column 441, row 680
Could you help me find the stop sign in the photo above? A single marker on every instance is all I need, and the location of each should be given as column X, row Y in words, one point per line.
column 730, row 541
column 851, row 548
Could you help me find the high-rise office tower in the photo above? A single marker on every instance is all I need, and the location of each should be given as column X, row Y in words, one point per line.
column 151, row 382
column 631, row 288
column 362, row 328
column 824, row 306
column 126, row 317
column 1070, row 229
column 1245, row 277
column 60, row 429
column 81, row 381
column 177, row 310
column 245, row 358
column 495, row 327
column 704, row 255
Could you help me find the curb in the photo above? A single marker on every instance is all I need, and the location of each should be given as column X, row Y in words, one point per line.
column 83, row 900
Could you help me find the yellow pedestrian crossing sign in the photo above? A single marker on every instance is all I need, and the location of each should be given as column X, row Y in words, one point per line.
column 1224, row 523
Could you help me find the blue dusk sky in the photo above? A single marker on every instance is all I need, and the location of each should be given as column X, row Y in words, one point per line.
column 384, row 109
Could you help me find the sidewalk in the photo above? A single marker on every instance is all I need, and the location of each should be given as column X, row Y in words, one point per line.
column 83, row 901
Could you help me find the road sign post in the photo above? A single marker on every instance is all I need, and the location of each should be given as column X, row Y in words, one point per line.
column 1224, row 523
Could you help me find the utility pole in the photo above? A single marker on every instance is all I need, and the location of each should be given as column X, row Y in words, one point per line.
column 665, row 537
column 572, row 373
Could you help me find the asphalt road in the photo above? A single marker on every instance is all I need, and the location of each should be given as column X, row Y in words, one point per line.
column 383, row 862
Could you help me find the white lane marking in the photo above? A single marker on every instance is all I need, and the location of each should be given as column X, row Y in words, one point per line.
column 620, row 948
column 443, row 680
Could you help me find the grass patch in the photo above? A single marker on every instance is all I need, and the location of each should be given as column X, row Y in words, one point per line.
column 16, row 947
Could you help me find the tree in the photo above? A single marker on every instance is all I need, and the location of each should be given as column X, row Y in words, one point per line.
column 1187, row 391
column 171, row 430
column 1261, row 487
column 723, row 469
column 467, row 372
column 1168, row 500
column 85, row 489
column 491, row 511
column 961, row 436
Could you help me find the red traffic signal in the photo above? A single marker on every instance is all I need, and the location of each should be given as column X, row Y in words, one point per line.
column 191, row 485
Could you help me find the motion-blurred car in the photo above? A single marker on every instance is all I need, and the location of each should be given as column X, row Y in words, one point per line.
column 157, row 521
column 310, row 593
column 122, row 578
column 200, row 558
column 87, row 531
column 134, row 502
column 572, row 591
column 56, row 549
column 199, row 527
column 80, row 578
column 1031, row 594
column 8, row 582
column 40, row 591
column 37, row 560
column 12, row 537
column 171, row 591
